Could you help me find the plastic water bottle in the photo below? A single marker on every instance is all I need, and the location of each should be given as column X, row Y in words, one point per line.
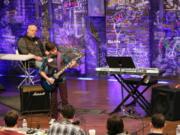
column 24, row 123
column 178, row 130
column 92, row 132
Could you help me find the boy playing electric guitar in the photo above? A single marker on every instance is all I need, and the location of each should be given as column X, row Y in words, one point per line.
column 51, row 65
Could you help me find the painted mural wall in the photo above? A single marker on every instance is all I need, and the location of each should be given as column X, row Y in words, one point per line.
column 149, row 34
column 167, row 37
column 95, row 38
column 61, row 21
column 127, row 30
column 14, row 17
column 148, row 31
column 65, row 22
column 67, row 27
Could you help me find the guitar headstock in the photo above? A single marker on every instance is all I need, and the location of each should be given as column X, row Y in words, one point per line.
column 79, row 54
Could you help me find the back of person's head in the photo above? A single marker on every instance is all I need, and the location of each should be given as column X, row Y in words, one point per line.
column 115, row 125
column 68, row 111
column 50, row 46
column 11, row 118
column 158, row 120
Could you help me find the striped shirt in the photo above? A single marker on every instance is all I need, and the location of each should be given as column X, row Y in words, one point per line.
column 65, row 128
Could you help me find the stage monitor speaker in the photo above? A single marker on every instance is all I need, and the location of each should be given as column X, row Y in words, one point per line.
column 165, row 100
column 34, row 99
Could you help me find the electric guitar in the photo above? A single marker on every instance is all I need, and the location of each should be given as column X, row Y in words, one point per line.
column 49, row 87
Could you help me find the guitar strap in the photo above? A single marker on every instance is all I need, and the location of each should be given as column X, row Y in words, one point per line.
column 59, row 60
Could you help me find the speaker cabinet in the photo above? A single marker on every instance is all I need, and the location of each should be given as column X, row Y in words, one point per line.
column 165, row 100
column 34, row 99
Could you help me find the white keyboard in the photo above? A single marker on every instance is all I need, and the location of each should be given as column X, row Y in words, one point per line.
column 149, row 71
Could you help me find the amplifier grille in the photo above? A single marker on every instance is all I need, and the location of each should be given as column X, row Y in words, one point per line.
column 35, row 88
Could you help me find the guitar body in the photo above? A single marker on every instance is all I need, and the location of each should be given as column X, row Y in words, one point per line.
column 46, row 86
column 50, row 87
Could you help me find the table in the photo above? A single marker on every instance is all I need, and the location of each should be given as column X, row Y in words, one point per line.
column 23, row 64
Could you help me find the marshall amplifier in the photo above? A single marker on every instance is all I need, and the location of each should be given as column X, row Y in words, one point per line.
column 34, row 99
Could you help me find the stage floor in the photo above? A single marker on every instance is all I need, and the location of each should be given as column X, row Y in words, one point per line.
column 93, row 99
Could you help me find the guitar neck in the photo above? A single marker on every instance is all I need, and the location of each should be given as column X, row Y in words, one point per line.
column 56, row 75
column 63, row 69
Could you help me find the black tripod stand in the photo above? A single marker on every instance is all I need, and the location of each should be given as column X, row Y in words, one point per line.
column 125, row 111
column 133, row 91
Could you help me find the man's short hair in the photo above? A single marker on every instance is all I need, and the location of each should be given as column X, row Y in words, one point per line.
column 31, row 25
column 115, row 124
column 158, row 120
column 50, row 46
column 68, row 111
column 11, row 118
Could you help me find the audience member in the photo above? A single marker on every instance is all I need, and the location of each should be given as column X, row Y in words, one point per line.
column 11, row 122
column 67, row 125
column 115, row 125
column 157, row 124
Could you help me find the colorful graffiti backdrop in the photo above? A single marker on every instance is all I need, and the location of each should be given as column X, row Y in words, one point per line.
column 127, row 30
column 60, row 21
column 14, row 18
column 123, row 30
column 167, row 38
column 68, row 25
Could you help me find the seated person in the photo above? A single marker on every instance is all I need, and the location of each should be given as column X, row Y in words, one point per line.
column 115, row 125
column 11, row 128
column 66, row 125
column 31, row 44
column 157, row 124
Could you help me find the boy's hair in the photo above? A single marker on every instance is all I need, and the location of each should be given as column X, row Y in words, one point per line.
column 50, row 46
column 68, row 111
column 158, row 120
column 11, row 118
column 115, row 125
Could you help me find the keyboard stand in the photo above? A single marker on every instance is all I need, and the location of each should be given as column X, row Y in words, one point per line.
column 133, row 88
column 133, row 91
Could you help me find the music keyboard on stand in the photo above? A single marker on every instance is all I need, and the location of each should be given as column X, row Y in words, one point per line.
column 139, row 71
column 134, row 90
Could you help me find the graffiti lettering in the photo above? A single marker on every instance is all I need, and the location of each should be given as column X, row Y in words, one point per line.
column 70, row 4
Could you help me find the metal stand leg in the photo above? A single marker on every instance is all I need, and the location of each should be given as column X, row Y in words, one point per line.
column 124, row 111
column 28, row 80
column 134, row 93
